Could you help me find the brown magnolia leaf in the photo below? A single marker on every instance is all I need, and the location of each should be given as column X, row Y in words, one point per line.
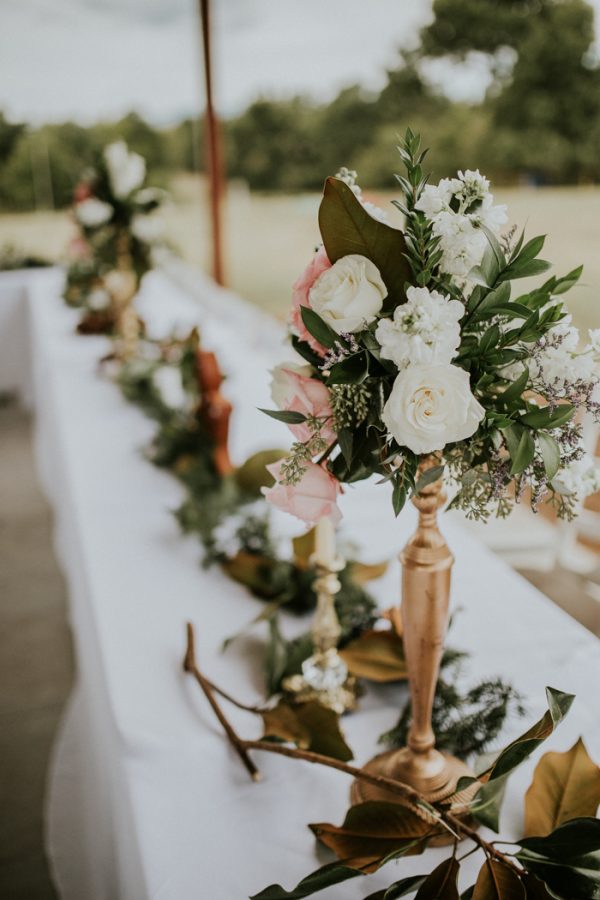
column 535, row 889
column 441, row 884
column 376, row 655
column 363, row 572
column 253, row 475
column 251, row 570
column 497, row 881
column 565, row 786
column 304, row 547
column 310, row 726
column 373, row 830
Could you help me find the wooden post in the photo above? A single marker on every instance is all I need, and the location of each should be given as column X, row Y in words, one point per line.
column 213, row 146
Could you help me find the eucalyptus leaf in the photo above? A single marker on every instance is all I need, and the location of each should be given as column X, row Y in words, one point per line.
column 429, row 477
column 550, row 451
column 288, row 416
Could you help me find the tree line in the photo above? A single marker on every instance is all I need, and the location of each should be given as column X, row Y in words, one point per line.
column 538, row 122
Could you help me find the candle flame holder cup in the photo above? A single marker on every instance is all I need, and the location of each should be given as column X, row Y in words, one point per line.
column 426, row 569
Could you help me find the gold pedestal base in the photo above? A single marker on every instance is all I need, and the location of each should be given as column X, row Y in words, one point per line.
column 434, row 775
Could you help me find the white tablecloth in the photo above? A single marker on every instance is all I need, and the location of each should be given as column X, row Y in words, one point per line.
column 146, row 799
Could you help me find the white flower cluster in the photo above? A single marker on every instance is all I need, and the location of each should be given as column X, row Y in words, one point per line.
column 580, row 478
column 126, row 170
column 558, row 364
column 456, row 207
column 425, row 329
column 92, row 213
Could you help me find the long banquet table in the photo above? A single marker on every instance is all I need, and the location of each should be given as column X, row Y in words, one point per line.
column 146, row 798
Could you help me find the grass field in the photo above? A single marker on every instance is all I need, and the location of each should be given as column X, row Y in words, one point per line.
column 269, row 238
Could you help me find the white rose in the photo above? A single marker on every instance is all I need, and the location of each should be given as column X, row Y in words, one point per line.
column 431, row 406
column 283, row 388
column 126, row 171
column 92, row 213
column 348, row 294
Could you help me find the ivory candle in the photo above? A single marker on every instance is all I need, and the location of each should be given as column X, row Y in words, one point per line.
column 325, row 543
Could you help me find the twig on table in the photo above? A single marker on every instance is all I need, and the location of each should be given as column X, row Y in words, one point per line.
column 190, row 666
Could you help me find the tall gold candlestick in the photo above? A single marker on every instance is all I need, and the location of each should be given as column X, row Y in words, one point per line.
column 426, row 568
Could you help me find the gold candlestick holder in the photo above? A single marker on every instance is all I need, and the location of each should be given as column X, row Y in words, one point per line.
column 122, row 285
column 426, row 569
column 325, row 675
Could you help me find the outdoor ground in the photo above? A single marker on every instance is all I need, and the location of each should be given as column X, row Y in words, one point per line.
column 269, row 239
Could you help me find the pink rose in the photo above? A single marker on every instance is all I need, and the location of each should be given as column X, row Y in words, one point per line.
column 313, row 498
column 318, row 264
column 305, row 395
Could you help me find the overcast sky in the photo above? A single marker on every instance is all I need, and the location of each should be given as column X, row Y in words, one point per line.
column 96, row 59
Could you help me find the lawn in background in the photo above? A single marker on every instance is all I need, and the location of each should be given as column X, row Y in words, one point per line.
column 269, row 239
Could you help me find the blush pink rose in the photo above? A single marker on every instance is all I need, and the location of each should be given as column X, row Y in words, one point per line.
column 307, row 396
column 313, row 498
column 300, row 289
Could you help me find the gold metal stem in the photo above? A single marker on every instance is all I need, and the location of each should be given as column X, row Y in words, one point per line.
column 426, row 568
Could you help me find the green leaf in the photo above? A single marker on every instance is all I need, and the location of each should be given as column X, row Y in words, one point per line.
column 429, row 477
column 310, row 726
column 567, row 860
column 284, row 415
column 346, row 227
column 521, row 455
column 328, row 875
column 550, row 451
column 516, row 388
column 518, row 750
column 530, row 250
column 497, row 881
column 399, row 493
column 252, row 475
column 352, row 370
column 527, row 270
column 318, row 328
column 487, row 805
column 489, row 339
column 548, row 417
column 399, row 888
column 441, row 884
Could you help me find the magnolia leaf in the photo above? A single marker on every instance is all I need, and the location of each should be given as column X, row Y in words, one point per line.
column 567, row 860
column 536, row 889
column 347, row 228
column 251, row 570
column 362, row 573
column 441, row 884
column 253, row 475
column 487, row 804
column 372, row 831
column 309, row 725
column 333, row 873
column 497, row 881
column 399, row 888
column 518, row 750
column 287, row 416
column 377, row 656
column 550, row 451
column 304, row 547
column 565, row 786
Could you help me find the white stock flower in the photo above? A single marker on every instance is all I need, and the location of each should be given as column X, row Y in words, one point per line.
column 594, row 336
column 168, row 382
column 148, row 229
column 431, row 406
column 559, row 362
column 349, row 294
column 376, row 212
column 425, row 329
column 92, row 213
column 581, row 478
column 456, row 207
column 126, row 171
column 283, row 388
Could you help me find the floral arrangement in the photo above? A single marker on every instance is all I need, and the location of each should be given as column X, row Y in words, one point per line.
column 116, row 213
column 417, row 342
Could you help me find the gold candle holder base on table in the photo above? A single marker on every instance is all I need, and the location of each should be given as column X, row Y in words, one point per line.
column 324, row 675
column 426, row 567
column 122, row 285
